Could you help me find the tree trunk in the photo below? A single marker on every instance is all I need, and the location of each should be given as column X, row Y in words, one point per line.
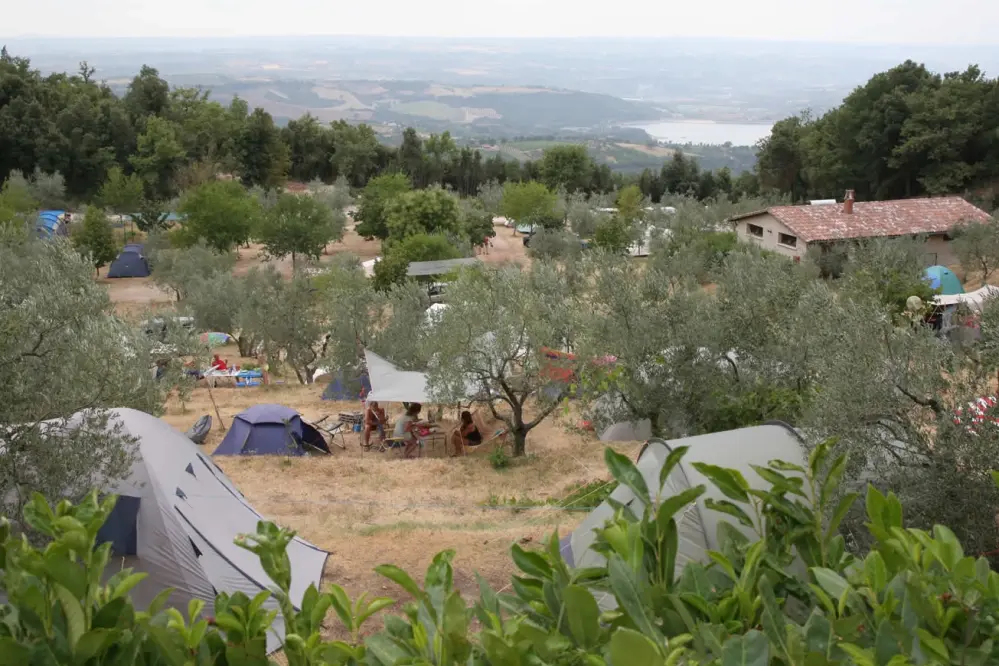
column 519, row 442
column 654, row 424
column 292, row 262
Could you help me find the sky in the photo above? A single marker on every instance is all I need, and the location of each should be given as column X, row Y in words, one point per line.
column 870, row 21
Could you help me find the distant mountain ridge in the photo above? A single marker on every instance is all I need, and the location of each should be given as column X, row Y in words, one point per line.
column 496, row 110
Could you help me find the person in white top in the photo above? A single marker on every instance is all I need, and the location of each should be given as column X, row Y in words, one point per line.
column 405, row 428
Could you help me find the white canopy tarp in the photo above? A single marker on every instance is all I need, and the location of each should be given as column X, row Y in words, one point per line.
column 390, row 384
column 973, row 299
column 369, row 266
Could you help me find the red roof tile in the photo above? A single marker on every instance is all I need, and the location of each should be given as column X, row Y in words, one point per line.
column 901, row 217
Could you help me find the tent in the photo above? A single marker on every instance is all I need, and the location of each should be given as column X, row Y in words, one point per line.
column 176, row 518
column 943, row 278
column 130, row 263
column 270, row 430
column 737, row 449
column 390, row 384
column 347, row 385
column 974, row 300
column 626, row 431
column 51, row 223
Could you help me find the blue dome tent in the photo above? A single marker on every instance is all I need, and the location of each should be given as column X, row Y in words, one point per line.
column 273, row 430
column 51, row 223
column 130, row 263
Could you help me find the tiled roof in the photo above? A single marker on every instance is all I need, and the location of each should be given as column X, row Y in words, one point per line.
column 869, row 219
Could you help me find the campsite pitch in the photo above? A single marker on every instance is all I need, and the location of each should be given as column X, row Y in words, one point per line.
column 375, row 508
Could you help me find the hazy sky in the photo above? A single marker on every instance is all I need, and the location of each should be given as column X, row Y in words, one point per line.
column 873, row 21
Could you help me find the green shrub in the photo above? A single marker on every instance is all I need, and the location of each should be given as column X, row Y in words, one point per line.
column 791, row 596
column 499, row 458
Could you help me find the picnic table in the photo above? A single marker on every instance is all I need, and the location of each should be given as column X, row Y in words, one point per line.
column 434, row 433
column 232, row 375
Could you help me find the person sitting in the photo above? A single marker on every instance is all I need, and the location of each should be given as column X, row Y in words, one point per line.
column 219, row 363
column 374, row 419
column 467, row 434
column 405, row 428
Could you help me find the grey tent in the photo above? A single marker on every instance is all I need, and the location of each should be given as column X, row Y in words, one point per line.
column 627, row 431
column 176, row 518
column 698, row 528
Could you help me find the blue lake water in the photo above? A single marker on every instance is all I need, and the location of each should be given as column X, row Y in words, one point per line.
column 739, row 134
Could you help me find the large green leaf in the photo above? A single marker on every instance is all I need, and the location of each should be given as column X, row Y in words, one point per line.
column 400, row 578
column 75, row 621
column 671, row 461
column 13, row 653
column 750, row 649
column 729, row 481
column 625, row 472
column 583, row 614
column 626, row 590
column 630, row 648
column 533, row 564
column 671, row 505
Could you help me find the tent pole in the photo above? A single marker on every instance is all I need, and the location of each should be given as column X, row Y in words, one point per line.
column 217, row 414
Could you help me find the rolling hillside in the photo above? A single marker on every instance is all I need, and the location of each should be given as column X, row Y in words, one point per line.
column 465, row 110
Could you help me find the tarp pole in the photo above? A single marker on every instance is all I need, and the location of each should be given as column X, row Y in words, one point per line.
column 217, row 414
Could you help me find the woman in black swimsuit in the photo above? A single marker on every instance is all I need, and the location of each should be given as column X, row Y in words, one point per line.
column 467, row 434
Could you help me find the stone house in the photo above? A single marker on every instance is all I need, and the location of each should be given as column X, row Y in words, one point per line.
column 791, row 230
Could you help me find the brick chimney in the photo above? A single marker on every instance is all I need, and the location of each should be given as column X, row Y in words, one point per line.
column 848, row 202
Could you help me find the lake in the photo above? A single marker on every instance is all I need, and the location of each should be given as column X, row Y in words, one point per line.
column 740, row 134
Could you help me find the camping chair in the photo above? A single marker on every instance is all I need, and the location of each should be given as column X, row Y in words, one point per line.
column 493, row 432
column 332, row 429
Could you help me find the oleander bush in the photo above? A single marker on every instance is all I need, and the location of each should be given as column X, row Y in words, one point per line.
column 794, row 595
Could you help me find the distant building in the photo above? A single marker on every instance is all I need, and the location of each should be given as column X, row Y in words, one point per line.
column 791, row 230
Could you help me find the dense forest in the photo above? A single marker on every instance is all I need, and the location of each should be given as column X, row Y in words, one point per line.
column 907, row 132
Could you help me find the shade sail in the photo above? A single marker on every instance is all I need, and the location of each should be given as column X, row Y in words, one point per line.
column 390, row 384
column 974, row 299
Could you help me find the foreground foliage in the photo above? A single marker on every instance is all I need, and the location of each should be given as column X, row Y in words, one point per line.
column 792, row 595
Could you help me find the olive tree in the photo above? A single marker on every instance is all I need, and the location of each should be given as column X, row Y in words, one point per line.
column 62, row 351
column 976, row 245
column 177, row 270
column 289, row 320
column 495, row 329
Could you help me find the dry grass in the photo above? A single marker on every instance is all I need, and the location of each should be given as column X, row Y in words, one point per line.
column 377, row 507
column 374, row 508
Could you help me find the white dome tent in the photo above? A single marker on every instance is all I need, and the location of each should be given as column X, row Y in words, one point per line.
column 698, row 527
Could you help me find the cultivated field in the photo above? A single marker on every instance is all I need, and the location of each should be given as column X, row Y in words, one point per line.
column 372, row 508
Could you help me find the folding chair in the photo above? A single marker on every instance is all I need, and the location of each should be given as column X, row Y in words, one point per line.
column 332, row 430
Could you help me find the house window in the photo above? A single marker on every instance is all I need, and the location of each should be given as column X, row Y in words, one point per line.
column 787, row 240
column 755, row 230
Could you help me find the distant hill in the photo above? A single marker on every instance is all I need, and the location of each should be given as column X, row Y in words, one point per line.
column 629, row 156
column 481, row 110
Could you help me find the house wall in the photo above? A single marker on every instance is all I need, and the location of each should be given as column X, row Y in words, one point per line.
column 938, row 247
column 941, row 247
column 771, row 233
